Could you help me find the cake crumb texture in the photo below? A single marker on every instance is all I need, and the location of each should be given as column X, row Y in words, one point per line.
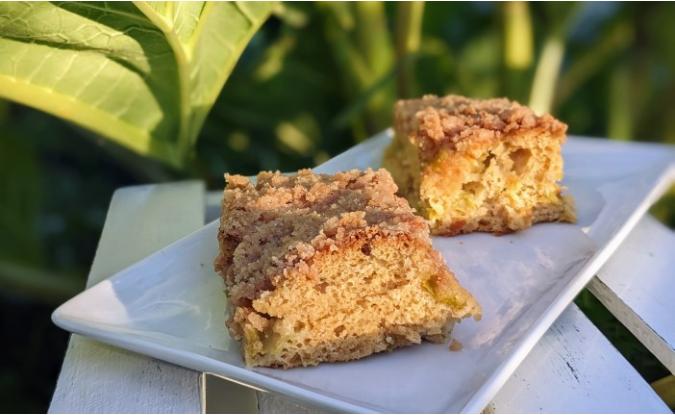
column 327, row 268
column 478, row 165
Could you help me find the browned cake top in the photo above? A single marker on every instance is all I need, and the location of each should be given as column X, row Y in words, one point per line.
column 454, row 120
column 280, row 222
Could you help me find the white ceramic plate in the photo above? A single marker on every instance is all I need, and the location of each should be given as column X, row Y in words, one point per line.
column 171, row 304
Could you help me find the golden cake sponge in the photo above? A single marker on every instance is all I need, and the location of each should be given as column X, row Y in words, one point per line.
column 328, row 268
column 478, row 165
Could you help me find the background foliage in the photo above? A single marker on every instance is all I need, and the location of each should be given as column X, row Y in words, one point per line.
column 317, row 78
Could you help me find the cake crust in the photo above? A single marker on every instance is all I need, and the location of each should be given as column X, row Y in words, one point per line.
column 320, row 268
column 280, row 222
column 460, row 123
column 478, row 165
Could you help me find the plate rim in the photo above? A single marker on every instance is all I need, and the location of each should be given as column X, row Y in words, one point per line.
column 478, row 399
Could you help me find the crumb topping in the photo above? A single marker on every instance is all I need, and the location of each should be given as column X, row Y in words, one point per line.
column 432, row 122
column 279, row 223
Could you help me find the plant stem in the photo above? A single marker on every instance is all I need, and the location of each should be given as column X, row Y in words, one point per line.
column 620, row 115
column 409, row 16
column 374, row 45
column 546, row 74
column 548, row 68
column 372, row 36
column 613, row 42
column 351, row 113
column 37, row 283
column 517, row 50
column 363, row 52
column 517, row 35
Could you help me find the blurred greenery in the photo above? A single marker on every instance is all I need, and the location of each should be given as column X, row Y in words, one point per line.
column 315, row 80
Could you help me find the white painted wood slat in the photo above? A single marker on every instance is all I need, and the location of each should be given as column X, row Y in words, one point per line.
column 637, row 285
column 96, row 378
column 575, row 369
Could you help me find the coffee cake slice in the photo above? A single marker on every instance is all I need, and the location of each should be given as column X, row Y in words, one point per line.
column 327, row 268
column 478, row 165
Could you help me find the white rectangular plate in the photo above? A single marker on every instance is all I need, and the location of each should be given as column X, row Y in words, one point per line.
column 171, row 304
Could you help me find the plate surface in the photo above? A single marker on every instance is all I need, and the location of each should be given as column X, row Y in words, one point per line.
column 171, row 304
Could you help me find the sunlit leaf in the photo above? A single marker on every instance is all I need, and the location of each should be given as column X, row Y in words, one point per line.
column 143, row 75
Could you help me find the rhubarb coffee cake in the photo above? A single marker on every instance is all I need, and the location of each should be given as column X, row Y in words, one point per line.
column 327, row 268
column 478, row 165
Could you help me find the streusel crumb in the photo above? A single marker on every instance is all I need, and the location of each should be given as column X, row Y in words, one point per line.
column 478, row 165
column 330, row 268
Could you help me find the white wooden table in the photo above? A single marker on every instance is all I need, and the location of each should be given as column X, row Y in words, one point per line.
column 573, row 368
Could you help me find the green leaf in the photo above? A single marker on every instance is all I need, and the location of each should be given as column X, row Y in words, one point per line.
column 144, row 75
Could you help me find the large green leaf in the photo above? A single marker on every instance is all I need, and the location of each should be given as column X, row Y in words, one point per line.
column 143, row 75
